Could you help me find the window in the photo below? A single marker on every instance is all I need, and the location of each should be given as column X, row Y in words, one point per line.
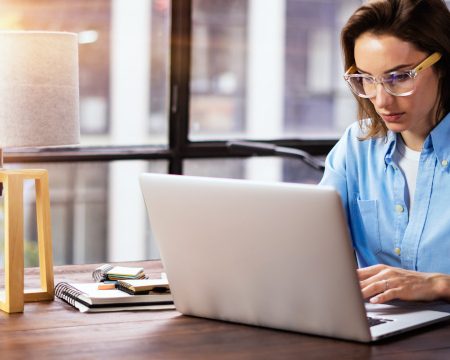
column 268, row 69
column 163, row 86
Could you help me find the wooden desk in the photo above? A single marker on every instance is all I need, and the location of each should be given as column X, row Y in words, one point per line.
column 54, row 330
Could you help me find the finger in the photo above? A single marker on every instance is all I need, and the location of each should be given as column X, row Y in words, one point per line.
column 375, row 288
column 386, row 296
column 386, row 273
column 381, row 276
column 367, row 272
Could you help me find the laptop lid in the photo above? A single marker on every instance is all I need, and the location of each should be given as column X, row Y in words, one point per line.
column 277, row 255
column 268, row 254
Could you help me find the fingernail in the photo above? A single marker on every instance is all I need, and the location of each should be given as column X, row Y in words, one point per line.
column 374, row 300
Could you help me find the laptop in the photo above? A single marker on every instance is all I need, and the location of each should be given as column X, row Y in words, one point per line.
column 276, row 255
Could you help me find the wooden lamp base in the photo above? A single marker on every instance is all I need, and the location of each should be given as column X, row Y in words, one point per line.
column 15, row 295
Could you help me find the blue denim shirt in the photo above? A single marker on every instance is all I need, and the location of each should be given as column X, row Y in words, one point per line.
column 373, row 192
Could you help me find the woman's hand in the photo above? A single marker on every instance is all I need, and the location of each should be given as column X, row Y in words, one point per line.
column 382, row 283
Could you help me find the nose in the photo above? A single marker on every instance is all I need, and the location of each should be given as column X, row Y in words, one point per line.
column 382, row 97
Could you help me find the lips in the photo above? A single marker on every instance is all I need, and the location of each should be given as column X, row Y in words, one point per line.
column 392, row 117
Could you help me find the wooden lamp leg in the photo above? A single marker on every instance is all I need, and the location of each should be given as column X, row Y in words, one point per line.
column 14, row 262
column 15, row 294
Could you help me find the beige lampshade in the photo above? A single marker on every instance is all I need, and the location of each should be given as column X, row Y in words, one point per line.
column 39, row 90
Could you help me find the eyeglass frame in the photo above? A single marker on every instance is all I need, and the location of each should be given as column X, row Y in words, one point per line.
column 429, row 61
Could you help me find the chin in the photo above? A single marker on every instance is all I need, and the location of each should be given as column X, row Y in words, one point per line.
column 397, row 128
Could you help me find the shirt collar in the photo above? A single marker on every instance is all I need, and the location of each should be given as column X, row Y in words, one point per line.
column 437, row 140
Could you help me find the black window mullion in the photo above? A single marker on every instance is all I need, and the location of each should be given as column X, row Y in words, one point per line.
column 180, row 73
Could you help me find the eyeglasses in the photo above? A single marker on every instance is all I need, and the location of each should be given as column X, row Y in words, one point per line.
column 397, row 83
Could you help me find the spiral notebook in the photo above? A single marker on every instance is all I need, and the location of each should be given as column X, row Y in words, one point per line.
column 86, row 297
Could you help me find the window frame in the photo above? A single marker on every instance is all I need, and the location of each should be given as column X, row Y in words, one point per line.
column 179, row 147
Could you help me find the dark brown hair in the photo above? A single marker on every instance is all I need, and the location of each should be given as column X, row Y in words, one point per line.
column 423, row 23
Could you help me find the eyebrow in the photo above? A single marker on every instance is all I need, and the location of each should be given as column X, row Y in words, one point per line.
column 398, row 67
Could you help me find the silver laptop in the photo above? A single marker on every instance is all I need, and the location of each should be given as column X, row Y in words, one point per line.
column 276, row 255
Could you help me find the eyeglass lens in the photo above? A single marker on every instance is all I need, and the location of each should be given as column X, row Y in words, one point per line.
column 399, row 84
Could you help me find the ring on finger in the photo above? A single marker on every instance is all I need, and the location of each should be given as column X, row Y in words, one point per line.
column 386, row 285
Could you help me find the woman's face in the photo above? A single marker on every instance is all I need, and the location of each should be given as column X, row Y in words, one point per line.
column 411, row 115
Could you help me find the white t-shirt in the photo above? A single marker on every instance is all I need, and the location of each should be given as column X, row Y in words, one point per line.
column 408, row 162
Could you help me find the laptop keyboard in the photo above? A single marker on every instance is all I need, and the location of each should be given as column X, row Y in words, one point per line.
column 376, row 321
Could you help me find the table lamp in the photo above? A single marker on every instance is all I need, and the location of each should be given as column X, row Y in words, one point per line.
column 39, row 106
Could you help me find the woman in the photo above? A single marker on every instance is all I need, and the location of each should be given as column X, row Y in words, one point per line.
column 392, row 167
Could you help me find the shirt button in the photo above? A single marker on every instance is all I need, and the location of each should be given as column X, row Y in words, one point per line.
column 397, row 251
column 399, row 208
column 444, row 163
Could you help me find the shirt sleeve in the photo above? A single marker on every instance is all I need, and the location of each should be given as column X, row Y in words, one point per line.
column 335, row 174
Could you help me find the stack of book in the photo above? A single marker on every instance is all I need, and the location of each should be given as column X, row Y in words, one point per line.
column 129, row 292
